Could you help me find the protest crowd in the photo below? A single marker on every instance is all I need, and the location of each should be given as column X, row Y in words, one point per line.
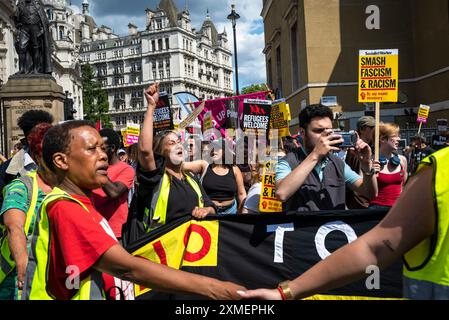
column 74, row 196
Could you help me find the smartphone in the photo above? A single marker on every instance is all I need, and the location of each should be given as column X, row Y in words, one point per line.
column 350, row 139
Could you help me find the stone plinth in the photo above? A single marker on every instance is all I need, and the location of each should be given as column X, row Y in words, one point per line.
column 28, row 92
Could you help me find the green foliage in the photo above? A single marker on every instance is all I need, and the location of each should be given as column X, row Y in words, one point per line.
column 96, row 105
column 254, row 88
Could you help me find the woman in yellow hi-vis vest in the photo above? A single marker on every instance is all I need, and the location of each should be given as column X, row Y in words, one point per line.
column 417, row 227
column 22, row 199
column 72, row 243
column 166, row 191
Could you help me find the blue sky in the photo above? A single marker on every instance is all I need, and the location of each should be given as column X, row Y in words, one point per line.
column 250, row 38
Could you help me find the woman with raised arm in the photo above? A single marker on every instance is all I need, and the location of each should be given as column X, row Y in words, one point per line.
column 165, row 191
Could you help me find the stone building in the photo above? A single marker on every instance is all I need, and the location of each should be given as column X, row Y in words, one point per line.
column 312, row 47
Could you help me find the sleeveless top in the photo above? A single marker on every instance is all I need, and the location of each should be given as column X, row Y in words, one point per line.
column 390, row 188
column 220, row 188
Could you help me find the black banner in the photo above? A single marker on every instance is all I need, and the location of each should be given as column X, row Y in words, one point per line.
column 259, row 251
column 163, row 117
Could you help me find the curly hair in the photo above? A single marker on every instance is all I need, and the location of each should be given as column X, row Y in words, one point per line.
column 35, row 139
column 314, row 111
column 32, row 118
column 58, row 139
column 113, row 139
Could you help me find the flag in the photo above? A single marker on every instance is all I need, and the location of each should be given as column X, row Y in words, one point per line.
column 260, row 251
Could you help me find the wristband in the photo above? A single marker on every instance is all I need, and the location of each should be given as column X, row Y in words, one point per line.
column 285, row 291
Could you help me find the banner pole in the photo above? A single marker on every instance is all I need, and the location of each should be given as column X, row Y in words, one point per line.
column 376, row 134
column 420, row 126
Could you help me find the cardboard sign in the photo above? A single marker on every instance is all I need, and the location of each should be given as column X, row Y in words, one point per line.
column 256, row 114
column 378, row 75
column 162, row 117
column 268, row 201
column 207, row 121
column 132, row 134
column 280, row 118
column 423, row 114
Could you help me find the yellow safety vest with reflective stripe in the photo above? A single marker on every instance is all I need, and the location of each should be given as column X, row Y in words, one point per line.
column 7, row 264
column 156, row 215
column 426, row 266
column 36, row 278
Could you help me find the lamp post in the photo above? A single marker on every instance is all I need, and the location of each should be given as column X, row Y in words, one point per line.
column 234, row 16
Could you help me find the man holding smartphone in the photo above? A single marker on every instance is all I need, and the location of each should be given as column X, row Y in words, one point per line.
column 312, row 178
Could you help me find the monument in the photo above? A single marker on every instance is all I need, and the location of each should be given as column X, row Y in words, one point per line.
column 33, row 87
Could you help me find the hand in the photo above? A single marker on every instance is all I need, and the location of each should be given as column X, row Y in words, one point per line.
column 201, row 213
column 327, row 143
column 261, row 294
column 21, row 270
column 222, row 290
column 365, row 154
column 152, row 95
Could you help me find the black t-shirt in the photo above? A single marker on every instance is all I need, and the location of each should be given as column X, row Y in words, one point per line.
column 439, row 141
column 418, row 155
column 182, row 198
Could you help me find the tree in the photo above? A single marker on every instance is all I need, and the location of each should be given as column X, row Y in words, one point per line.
column 254, row 88
column 96, row 104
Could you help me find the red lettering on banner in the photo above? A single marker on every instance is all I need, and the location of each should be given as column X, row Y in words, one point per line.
column 255, row 109
column 196, row 256
column 160, row 251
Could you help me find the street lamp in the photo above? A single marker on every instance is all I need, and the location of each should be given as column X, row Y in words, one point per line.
column 234, row 16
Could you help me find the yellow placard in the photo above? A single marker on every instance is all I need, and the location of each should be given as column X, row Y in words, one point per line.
column 194, row 244
column 207, row 122
column 280, row 119
column 268, row 201
column 378, row 75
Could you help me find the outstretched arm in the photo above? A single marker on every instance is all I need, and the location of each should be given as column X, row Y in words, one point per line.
column 119, row 263
column 409, row 222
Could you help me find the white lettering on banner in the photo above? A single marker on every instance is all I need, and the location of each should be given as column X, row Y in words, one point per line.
column 280, row 229
column 126, row 287
column 324, row 230
column 73, row 280
column 161, row 114
column 373, row 21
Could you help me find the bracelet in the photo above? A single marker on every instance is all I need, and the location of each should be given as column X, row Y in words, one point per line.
column 285, row 291
column 282, row 293
column 370, row 173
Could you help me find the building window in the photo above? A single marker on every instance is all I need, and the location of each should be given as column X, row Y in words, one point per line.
column 294, row 52
column 153, row 45
column 159, row 44
column 167, row 43
column 279, row 70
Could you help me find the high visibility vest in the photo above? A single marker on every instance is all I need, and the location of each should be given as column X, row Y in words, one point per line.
column 7, row 264
column 36, row 277
column 426, row 266
column 156, row 214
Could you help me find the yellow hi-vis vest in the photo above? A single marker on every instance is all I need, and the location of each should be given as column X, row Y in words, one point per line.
column 36, row 277
column 156, row 215
column 426, row 266
column 7, row 264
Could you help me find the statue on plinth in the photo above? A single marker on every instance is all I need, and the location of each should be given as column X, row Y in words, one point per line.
column 33, row 39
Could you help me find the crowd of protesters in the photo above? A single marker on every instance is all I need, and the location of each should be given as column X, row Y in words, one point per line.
column 70, row 190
